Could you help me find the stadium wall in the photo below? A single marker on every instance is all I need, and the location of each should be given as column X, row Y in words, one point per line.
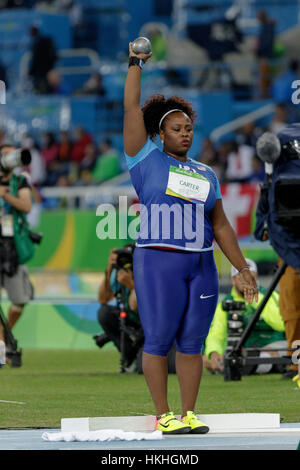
column 64, row 325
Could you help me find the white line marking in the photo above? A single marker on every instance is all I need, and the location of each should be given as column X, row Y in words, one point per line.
column 15, row 402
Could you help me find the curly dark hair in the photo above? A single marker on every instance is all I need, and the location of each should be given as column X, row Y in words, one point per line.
column 157, row 105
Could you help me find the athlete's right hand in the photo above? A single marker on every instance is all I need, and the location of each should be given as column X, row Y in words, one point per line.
column 249, row 287
column 144, row 57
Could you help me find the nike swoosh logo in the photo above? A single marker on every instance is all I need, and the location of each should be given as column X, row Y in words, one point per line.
column 164, row 425
column 206, row 296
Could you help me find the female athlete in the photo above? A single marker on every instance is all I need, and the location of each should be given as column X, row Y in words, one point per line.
column 175, row 276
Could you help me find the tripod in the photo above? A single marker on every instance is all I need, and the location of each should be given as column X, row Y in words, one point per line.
column 136, row 338
column 234, row 359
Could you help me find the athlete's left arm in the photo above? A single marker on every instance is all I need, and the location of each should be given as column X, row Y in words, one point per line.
column 227, row 241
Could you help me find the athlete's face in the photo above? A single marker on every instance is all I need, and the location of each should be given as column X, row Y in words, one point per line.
column 177, row 134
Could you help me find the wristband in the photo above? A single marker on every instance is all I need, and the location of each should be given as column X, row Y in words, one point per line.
column 243, row 269
column 133, row 60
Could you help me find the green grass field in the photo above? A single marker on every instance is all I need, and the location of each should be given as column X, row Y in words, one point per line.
column 52, row 385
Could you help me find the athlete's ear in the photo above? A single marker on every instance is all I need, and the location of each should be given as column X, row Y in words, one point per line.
column 162, row 137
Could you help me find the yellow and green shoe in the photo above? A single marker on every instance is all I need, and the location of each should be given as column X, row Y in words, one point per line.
column 168, row 424
column 197, row 427
column 296, row 379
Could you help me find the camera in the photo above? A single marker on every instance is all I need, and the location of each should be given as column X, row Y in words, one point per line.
column 234, row 321
column 35, row 237
column 278, row 211
column 14, row 159
column 101, row 339
column 232, row 365
column 125, row 257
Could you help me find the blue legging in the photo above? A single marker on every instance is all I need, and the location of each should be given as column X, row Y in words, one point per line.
column 177, row 294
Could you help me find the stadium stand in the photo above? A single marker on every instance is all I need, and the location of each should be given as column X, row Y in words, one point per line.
column 92, row 37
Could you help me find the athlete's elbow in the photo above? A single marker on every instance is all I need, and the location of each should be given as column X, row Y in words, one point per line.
column 220, row 229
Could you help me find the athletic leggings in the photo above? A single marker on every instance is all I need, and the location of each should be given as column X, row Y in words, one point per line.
column 177, row 294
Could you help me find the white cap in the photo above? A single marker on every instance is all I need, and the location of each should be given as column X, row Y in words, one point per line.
column 252, row 266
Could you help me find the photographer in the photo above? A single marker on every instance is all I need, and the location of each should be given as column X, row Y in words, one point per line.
column 118, row 284
column 268, row 330
column 16, row 248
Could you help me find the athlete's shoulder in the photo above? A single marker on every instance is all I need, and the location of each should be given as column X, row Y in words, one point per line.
column 148, row 148
column 203, row 167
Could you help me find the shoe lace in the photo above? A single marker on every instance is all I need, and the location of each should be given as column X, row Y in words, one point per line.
column 192, row 418
column 170, row 417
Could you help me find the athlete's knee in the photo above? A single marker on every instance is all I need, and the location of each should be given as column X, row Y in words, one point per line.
column 157, row 348
column 190, row 346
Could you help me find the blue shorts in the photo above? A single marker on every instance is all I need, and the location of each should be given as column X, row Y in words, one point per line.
column 177, row 294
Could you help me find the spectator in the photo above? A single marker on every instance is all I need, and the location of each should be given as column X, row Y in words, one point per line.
column 258, row 171
column 280, row 119
column 158, row 44
column 2, row 137
column 223, row 150
column 65, row 147
column 50, row 153
column 63, row 160
column 265, row 51
column 209, row 156
column 49, row 148
column 56, row 85
column 82, row 139
column 248, row 134
column 44, row 57
column 93, row 86
column 88, row 164
column 108, row 163
column 37, row 166
column 268, row 330
column 239, row 164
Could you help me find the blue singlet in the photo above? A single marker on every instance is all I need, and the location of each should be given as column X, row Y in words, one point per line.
column 177, row 289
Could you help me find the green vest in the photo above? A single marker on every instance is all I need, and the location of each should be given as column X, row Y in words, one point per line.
column 24, row 245
column 268, row 328
column 262, row 334
column 115, row 286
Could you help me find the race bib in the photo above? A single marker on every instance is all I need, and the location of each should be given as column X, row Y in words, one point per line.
column 187, row 185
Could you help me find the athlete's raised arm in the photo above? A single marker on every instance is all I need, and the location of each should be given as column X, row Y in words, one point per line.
column 134, row 131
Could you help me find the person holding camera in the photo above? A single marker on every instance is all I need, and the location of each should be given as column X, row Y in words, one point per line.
column 118, row 284
column 268, row 330
column 16, row 247
column 176, row 279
